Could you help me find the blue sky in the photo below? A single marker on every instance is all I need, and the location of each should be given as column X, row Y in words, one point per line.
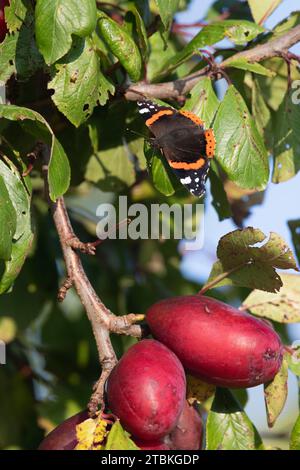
column 281, row 204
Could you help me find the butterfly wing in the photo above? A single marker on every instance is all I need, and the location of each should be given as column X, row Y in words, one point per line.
column 183, row 141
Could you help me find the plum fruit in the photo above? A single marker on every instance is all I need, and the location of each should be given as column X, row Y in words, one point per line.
column 146, row 390
column 217, row 342
column 147, row 445
column 3, row 27
column 187, row 434
column 63, row 437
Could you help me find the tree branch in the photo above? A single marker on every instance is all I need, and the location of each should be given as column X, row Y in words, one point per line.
column 180, row 87
column 102, row 320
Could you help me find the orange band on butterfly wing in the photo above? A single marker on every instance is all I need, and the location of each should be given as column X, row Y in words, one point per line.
column 188, row 166
column 210, row 142
column 156, row 116
column 192, row 117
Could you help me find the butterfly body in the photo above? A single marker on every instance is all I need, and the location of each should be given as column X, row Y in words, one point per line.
column 183, row 140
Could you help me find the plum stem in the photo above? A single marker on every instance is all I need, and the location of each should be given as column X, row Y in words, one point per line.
column 103, row 321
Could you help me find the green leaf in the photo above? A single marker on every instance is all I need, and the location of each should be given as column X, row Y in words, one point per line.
column 261, row 114
column 167, row 10
column 254, row 67
column 34, row 123
column 228, row 427
column 295, row 436
column 119, row 439
column 287, row 140
column 203, row 101
column 139, row 30
column 241, row 32
column 261, row 10
column 78, row 83
column 158, row 55
column 276, row 394
column 274, row 88
column 121, row 44
column 293, row 358
column 23, row 236
column 294, row 226
column 286, row 24
column 282, row 307
column 19, row 54
column 219, row 197
column 15, row 14
column 8, row 221
column 219, row 6
column 58, row 20
column 161, row 178
column 240, row 149
column 7, row 57
column 111, row 169
column 247, row 258
column 237, row 31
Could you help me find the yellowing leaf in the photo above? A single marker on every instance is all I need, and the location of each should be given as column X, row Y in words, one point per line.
column 91, row 434
column 276, row 394
column 262, row 9
column 198, row 391
column 247, row 258
column 283, row 306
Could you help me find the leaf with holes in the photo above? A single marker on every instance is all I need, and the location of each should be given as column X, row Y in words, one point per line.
column 282, row 307
column 8, row 220
column 198, row 391
column 78, row 83
column 247, row 258
column 228, row 427
column 19, row 54
column 276, row 394
column 261, row 10
column 15, row 13
column 240, row 148
column 287, row 140
column 58, row 20
column 36, row 125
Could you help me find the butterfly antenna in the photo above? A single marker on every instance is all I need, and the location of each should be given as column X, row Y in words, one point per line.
column 137, row 133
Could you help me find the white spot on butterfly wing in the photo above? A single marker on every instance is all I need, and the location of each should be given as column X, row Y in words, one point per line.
column 186, row 180
column 144, row 111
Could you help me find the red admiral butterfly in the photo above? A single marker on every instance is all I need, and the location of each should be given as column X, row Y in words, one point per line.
column 181, row 136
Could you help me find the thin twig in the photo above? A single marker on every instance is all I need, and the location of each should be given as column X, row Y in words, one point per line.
column 182, row 86
column 102, row 320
